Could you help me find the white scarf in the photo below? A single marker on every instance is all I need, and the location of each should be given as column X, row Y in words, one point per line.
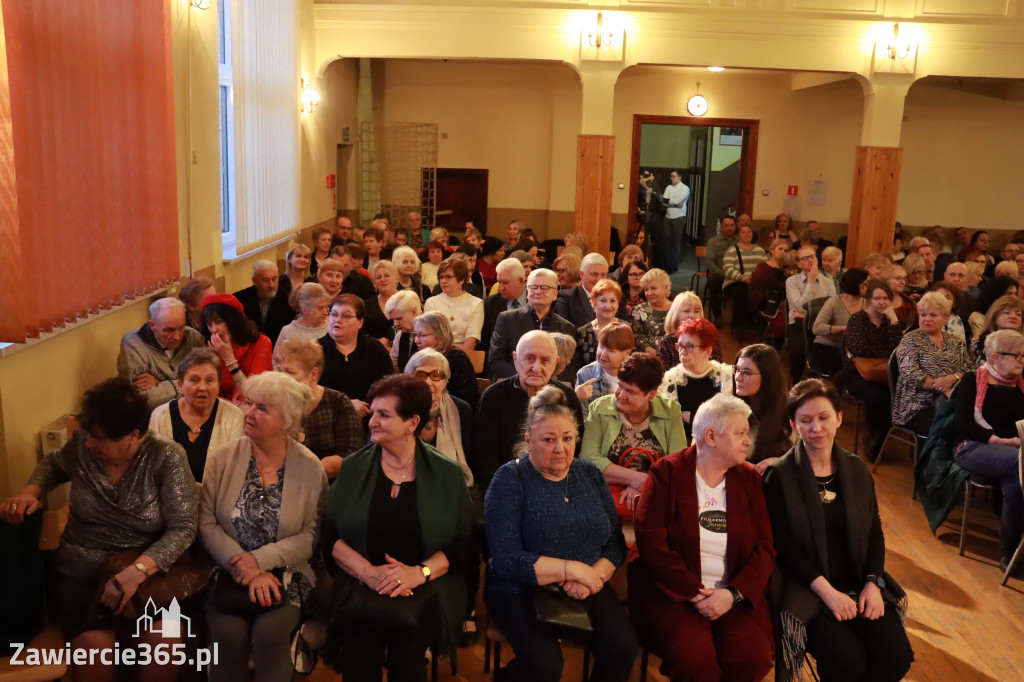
column 449, row 435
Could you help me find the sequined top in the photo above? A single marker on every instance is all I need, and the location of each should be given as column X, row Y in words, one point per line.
column 155, row 504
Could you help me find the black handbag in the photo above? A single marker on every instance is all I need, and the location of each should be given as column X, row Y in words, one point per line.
column 381, row 613
column 21, row 570
column 558, row 611
column 230, row 597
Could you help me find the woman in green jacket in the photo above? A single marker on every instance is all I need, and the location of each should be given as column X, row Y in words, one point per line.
column 629, row 430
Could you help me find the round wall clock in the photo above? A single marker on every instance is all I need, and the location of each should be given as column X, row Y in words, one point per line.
column 697, row 105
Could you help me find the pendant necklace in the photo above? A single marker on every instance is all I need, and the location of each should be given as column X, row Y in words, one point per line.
column 827, row 496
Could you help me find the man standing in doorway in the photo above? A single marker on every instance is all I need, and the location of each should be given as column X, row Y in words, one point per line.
column 676, row 196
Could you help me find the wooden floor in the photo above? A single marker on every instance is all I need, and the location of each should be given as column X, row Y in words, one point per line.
column 962, row 624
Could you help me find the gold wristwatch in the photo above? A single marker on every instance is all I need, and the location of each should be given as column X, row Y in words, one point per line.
column 426, row 571
column 142, row 567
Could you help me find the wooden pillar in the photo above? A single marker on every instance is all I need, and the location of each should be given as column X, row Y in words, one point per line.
column 595, row 156
column 876, row 186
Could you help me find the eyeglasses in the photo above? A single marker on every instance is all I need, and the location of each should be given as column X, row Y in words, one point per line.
column 440, row 277
column 899, row 279
column 688, row 348
column 745, row 373
column 540, row 287
column 809, row 256
column 635, row 275
column 344, row 316
column 1019, row 357
column 436, row 375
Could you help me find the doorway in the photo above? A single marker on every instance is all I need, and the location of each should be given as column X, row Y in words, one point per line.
column 461, row 196
column 715, row 156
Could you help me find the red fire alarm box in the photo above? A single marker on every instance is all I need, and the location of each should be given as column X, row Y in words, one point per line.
column 330, row 181
column 792, row 190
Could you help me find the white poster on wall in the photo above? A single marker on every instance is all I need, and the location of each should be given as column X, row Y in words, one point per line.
column 791, row 205
column 816, row 192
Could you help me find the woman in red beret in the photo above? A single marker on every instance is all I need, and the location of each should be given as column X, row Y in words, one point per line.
column 243, row 351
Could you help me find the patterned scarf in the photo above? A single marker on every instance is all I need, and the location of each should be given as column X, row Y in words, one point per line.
column 986, row 372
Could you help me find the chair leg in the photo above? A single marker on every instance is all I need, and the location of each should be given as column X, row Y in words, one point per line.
column 881, row 450
column 913, row 472
column 963, row 524
column 644, row 661
column 455, row 662
column 497, row 659
column 586, row 665
column 856, row 430
column 1012, row 565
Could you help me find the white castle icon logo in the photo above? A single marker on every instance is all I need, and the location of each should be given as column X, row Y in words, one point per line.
column 164, row 621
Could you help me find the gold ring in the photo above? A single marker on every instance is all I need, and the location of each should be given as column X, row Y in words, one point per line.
column 14, row 507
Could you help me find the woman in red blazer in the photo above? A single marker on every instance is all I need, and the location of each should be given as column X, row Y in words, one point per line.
column 703, row 555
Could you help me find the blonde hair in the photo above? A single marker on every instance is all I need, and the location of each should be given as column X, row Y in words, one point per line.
column 280, row 391
column 406, row 300
column 302, row 249
column 387, row 265
column 1007, row 268
column 935, row 301
column 572, row 266
column 566, row 346
column 577, row 239
column 974, row 269
column 914, row 262
column 307, row 352
column 674, row 311
column 309, row 293
column 833, row 251
column 657, row 276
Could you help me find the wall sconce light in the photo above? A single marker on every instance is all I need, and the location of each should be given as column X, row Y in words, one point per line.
column 599, row 36
column 900, row 47
column 716, row 69
column 310, row 97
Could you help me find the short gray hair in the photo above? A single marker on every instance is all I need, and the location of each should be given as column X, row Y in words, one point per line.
column 566, row 346
column 425, row 356
column 549, row 275
column 712, row 414
column 402, row 251
column 279, row 390
column 406, row 300
column 935, row 301
column 1003, row 341
column 261, row 265
column 593, row 258
column 162, row 304
column 438, row 325
column 513, row 267
column 308, row 293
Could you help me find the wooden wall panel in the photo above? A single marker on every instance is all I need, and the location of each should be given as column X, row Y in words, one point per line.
column 876, row 186
column 595, row 158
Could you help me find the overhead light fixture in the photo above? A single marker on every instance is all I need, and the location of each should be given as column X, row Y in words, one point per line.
column 310, row 97
column 716, row 69
column 600, row 36
column 900, row 46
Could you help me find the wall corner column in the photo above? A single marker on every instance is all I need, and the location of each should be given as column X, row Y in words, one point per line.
column 877, row 166
column 595, row 154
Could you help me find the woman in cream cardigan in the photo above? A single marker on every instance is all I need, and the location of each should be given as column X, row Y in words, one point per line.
column 198, row 421
column 262, row 495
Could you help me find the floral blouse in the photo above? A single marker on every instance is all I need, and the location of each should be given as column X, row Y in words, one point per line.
column 255, row 519
column 648, row 326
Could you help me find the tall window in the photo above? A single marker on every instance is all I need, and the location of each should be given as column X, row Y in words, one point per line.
column 227, row 130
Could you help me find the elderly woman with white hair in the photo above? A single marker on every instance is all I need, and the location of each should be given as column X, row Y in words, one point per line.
column 314, row 305
column 931, row 362
column 988, row 405
column 704, row 554
column 648, row 318
column 261, row 499
column 385, row 280
column 450, row 426
column 410, row 277
column 432, row 331
column 402, row 309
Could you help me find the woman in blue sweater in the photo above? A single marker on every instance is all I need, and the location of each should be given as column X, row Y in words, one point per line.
column 551, row 521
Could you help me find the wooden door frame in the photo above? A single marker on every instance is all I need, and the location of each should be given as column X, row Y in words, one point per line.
column 748, row 154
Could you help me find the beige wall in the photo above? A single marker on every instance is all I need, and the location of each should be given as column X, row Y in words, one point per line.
column 518, row 120
column 963, row 158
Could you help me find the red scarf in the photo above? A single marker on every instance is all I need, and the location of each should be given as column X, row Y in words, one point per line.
column 986, row 372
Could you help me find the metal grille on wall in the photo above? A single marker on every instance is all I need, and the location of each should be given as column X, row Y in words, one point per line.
column 398, row 172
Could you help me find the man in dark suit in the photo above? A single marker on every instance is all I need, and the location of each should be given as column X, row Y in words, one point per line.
column 511, row 325
column 342, row 232
column 511, row 295
column 574, row 304
column 266, row 303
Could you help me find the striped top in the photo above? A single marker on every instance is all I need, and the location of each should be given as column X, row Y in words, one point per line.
column 731, row 262
column 918, row 359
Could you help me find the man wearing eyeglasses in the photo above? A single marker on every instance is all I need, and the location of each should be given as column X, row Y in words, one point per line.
column 801, row 288
column 511, row 325
column 676, row 196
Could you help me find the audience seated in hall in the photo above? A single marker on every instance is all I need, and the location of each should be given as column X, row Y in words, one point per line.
column 739, row 263
column 604, row 300
column 352, row 360
column 830, row 324
column 574, row 303
column 565, row 344
column 931, row 362
column 199, row 421
column 402, row 309
column 191, row 294
column 465, row 312
column 801, row 289
column 428, row 269
column 685, row 306
column 321, row 237
column 511, row 325
column 567, row 268
column 265, row 302
column 331, row 428
column 696, row 583
column 648, row 317
column 1007, row 312
column 535, row 538
column 630, row 279
column 373, row 240
column 697, row 377
column 313, row 303
column 150, row 355
column 511, row 294
column 489, row 255
column 450, row 427
column 297, row 261
column 717, row 246
column 330, row 276
column 991, row 290
column 342, row 232
column 410, row 276
column 499, row 416
column 615, row 343
column 385, row 279
column 955, row 324
column 768, row 290
column 243, row 351
column 431, row 330
column 353, row 282
column 759, row 381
